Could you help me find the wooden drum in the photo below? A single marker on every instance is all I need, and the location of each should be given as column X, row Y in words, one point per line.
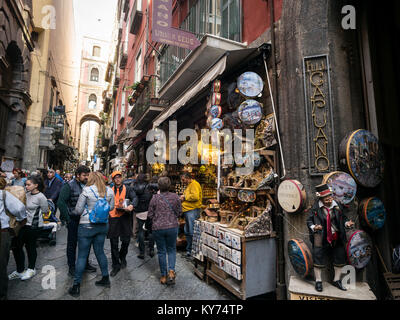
column 300, row 257
column 361, row 154
column 292, row 196
column 343, row 186
column 372, row 211
column 358, row 248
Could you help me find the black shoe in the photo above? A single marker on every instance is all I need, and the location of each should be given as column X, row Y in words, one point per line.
column 115, row 271
column 90, row 268
column 338, row 284
column 71, row 271
column 151, row 253
column 104, row 282
column 123, row 263
column 75, row 291
column 141, row 256
column 318, row 286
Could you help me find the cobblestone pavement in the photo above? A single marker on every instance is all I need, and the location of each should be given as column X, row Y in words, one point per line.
column 139, row 281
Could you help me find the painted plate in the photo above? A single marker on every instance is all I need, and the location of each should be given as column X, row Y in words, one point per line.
column 343, row 186
column 257, row 159
column 361, row 153
column 250, row 112
column 247, row 196
column 300, row 257
column 215, row 111
column 216, row 124
column 358, row 249
column 250, row 84
column 291, row 196
column 373, row 212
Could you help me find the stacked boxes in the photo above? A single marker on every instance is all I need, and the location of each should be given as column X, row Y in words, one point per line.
column 222, row 247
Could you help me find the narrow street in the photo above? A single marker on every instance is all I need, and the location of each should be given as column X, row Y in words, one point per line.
column 139, row 281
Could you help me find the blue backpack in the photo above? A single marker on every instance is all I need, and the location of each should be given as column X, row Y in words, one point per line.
column 99, row 213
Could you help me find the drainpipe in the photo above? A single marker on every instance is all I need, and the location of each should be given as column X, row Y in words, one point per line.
column 281, row 285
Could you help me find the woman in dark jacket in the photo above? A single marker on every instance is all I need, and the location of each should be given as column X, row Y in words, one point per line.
column 144, row 193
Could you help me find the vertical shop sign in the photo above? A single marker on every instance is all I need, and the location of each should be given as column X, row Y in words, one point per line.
column 319, row 115
column 162, row 30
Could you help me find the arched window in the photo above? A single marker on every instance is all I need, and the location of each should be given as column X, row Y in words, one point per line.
column 92, row 101
column 94, row 75
column 96, row 51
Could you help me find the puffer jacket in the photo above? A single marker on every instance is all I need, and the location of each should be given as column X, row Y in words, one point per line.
column 144, row 193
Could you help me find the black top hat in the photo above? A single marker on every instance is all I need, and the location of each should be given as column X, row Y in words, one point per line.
column 323, row 190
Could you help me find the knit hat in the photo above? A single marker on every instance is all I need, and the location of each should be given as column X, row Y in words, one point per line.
column 323, row 190
column 115, row 173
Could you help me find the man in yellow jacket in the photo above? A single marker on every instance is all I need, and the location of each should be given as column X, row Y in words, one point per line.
column 191, row 205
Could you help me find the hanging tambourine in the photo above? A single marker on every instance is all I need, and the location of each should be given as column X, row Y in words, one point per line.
column 373, row 212
column 358, row 248
column 250, row 84
column 362, row 155
column 216, row 124
column 343, row 186
column 250, row 112
column 216, row 99
column 291, row 196
column 300, row 257
column 216, row 86
column 215, row 111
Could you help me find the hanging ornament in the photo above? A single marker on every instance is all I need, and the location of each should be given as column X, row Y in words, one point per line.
column 250, row 84
column 215, row 111
column 250, row 112
column 216, row 99
column 216, row 86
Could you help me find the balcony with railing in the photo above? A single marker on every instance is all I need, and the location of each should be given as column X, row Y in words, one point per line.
column 146, row 104
column 206, row 17
column 136, row 17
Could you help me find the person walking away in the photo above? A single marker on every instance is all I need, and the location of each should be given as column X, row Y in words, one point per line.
column 120, row 222
column 90, row 233
column 164, row 210
column 53, row 187
column 67, row 201
column 191, row 204
column 9, row 205
column 19, row 178
column 36, row 206
column 142, row 190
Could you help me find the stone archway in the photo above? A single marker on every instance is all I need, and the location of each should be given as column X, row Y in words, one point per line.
column 84, row 145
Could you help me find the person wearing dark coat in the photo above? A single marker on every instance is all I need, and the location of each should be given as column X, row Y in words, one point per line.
column 53, row 186
column 120, row 222
column 326, row 223
column 144, row 193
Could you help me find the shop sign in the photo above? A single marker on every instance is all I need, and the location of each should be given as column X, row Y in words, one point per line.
column 319, row 115
column 162, row 30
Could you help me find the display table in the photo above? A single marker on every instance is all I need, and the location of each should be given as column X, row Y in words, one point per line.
column 300, row 289
column 250, row 274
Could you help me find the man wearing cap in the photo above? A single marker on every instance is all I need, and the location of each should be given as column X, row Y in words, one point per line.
column 120, row 222
column 326, row 223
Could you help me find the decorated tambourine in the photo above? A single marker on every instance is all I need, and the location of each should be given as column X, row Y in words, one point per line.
column 373, row 212
column 291, row 196
column 256, row 159
column 300, row 257
column 216, row 99
column 250, row 112
column 216, row 86
column 215, row 111
column 216, row 124
column 247, row 195
column 362, row 155
column 229, row 192
column 342, row 185
column 358, row 248
column 250, row 84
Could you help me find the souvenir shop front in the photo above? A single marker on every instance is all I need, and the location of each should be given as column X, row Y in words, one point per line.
column 235, row 242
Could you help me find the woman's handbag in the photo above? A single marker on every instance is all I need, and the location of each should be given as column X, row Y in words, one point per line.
column 14, row 225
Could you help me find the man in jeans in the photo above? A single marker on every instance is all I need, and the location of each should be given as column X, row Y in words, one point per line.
column 191, row 204
column 69, row 196
column 17, row 209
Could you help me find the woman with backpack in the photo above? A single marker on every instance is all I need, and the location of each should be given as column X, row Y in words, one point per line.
column 36, row 207
column 164, row 210
column 94, row 204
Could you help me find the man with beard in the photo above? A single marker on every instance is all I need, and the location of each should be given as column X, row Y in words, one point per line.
column 68, row 198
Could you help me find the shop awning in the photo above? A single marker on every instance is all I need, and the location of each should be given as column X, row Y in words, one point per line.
column 227, row 61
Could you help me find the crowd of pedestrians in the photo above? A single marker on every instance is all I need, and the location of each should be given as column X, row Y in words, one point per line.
column 93, row 208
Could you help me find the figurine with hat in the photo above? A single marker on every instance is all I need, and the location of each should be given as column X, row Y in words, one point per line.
column 326, row 223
